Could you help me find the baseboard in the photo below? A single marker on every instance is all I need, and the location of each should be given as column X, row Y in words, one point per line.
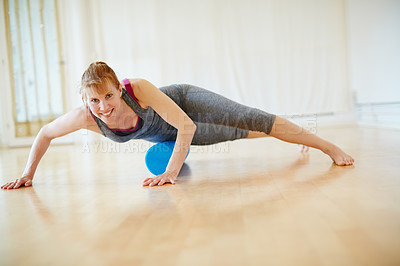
column 312, row 122
column 28, row 141
column 380, row 115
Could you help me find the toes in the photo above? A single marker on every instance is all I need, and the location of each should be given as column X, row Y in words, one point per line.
column 350, row 161
column 344, row 161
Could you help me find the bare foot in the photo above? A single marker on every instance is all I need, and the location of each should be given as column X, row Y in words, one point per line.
column 338, row 156
column 303, row 148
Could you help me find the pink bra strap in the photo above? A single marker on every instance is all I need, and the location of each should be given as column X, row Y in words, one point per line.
column 128, row 87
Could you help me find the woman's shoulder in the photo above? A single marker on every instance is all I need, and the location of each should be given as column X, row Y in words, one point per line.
column 85, row 118
column 138, row 90
column 80, row 111
column 82, row 116
column 136, row 82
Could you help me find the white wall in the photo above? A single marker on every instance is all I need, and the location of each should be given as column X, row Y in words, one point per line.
column 374, row 60
column 280, row 56
column 138, row 41
column 374, row 50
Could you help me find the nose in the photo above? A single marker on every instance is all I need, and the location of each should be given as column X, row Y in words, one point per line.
column 102, row 106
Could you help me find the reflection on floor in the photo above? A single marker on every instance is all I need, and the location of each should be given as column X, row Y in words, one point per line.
column 247, row 202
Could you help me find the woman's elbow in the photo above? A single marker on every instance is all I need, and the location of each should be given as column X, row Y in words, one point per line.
column 189, row 129
column 193, row 128
column 45, row 133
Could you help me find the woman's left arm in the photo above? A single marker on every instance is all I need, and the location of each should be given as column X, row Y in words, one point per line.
column 151, row 96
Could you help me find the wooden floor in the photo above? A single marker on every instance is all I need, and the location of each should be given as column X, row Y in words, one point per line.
column 248, row 202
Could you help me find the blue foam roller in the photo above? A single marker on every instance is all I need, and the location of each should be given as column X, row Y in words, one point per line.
column 157, row 157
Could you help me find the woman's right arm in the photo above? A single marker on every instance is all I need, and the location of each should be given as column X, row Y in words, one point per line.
column 65, row 124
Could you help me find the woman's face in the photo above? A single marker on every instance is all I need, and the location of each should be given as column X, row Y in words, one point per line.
column 106, row 104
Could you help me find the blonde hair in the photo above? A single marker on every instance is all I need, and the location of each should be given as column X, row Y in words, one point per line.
column 96, row 76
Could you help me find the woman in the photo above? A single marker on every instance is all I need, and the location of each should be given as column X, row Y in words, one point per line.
column 190, row 115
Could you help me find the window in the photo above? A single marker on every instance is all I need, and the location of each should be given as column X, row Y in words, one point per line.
column 34, row 52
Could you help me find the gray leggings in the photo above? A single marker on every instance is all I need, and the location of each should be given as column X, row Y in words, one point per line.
column 217, row 118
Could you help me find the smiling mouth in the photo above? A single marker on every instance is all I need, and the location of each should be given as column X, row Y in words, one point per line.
column 108, row 114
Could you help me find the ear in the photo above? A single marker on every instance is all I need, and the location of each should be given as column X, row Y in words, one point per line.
column 120, row 90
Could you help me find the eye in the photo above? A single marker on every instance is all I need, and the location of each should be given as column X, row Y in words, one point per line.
column 109, row 95
column 94, row 100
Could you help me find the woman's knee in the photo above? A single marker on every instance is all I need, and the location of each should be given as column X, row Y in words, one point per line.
column 256, row 134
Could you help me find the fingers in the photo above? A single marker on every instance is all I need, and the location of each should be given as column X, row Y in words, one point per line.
column 5, row 185
column 165, row 180
column 17, row 183
column 147, row 181
column 162, row 182
column 150, row 181
column 9, row 185
column 158, row 181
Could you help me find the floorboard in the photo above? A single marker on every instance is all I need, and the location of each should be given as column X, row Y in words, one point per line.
column 247, row 202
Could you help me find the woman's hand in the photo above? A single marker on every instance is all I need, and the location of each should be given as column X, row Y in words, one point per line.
column 23, row 181
column 167, row 177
